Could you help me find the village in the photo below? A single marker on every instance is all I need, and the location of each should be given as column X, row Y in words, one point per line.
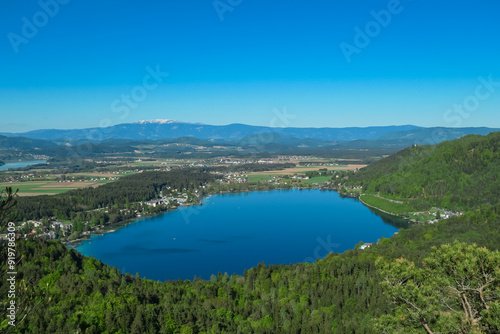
column 53, row 229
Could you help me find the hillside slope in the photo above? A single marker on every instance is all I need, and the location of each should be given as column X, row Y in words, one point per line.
column 459, row 174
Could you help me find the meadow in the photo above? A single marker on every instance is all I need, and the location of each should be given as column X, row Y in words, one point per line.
column 387, row 205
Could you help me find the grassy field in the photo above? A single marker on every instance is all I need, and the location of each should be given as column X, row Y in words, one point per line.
column 259, row 178
column 386, row 205
column 318, row 179
column 34, row 188
column 52, row 186
column 421, row 217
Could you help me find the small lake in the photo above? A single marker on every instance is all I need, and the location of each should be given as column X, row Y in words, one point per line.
column 21, row 164
column 232, row 232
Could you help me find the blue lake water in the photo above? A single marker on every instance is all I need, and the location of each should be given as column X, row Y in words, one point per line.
column 232, row 232
column 20, row 164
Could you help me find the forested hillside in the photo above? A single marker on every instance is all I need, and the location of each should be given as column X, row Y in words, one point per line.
column 460, row 174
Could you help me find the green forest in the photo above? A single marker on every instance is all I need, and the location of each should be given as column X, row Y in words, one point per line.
column 129, row 189
column 458, row 175
column 430, row 278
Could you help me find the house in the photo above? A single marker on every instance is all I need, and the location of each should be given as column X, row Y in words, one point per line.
column 366, row 245
column 52, row 235
column 154, row 202
column 57, row 224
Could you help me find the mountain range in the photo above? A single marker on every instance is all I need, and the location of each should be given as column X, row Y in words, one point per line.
column 166, row 129
column 400, row 136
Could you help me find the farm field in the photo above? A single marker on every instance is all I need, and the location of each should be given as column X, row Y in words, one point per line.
column 295, row 170
column 90, row 174
column 36, row 188
column 318, row 167
column 318, row 179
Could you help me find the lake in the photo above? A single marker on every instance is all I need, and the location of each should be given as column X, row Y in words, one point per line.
column 20, row 164
column 232, row 232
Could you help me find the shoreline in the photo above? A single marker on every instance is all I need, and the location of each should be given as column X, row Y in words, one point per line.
column 115, row 227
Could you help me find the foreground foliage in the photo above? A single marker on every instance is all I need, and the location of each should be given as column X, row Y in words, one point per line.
column 455, row 291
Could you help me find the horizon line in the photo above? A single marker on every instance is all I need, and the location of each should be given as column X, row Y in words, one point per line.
column 169, row 121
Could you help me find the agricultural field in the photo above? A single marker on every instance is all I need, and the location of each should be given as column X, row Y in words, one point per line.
column 319, row 167
column 318, row 179
column 295, row 170
column 34, row 188
column 53, row 186
column 161, row 162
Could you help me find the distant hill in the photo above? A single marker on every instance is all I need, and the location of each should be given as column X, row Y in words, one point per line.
column 351, row 137
column 278, row 139
column 460, row 174
column 22, row 142
column 430, row 136
column 162, row 129
column 162, row 138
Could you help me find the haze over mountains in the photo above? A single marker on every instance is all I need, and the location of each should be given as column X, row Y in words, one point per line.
column 248, row 134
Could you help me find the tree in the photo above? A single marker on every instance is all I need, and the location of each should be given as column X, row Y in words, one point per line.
column 7, row 201
column 455, row 290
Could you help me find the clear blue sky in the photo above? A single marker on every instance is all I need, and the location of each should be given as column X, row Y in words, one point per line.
column 263, row 56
